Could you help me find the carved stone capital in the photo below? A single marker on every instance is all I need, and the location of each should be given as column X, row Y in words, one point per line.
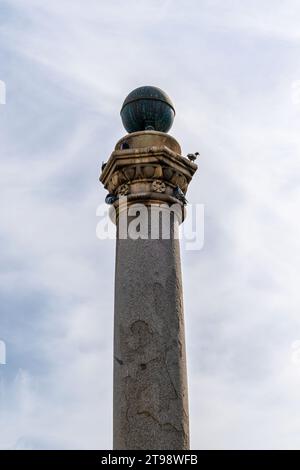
column 137, row 167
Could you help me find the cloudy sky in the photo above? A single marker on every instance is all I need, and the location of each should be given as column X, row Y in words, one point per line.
column 232, row 69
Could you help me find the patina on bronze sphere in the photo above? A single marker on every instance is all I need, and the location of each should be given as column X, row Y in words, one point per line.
column 147, row 108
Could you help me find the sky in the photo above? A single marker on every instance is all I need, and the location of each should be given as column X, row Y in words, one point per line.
column 232, row 70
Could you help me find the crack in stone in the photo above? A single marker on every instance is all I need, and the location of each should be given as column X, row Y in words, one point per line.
column 149, row 415
column 119, row 361
column 173, row 427
column 170, row 378
column 162, row 425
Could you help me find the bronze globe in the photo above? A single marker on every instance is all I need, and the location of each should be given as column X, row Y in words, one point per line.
column 147, row 108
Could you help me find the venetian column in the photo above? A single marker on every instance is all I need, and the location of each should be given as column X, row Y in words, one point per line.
column 146, row 175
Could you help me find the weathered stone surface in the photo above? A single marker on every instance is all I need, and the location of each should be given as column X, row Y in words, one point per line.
column 138, row 140
column 150, row 384
column 151, row 156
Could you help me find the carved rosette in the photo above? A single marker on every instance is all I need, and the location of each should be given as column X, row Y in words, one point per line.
column 158, row 186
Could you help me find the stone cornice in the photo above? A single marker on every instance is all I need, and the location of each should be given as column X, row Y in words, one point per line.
column 148, row 169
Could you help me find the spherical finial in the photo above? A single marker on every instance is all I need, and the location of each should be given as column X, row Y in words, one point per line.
column 147, row 108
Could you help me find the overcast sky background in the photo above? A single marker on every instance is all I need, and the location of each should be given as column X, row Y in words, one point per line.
column 231, row 68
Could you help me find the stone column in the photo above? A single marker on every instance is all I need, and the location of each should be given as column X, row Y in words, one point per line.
column 150, row 381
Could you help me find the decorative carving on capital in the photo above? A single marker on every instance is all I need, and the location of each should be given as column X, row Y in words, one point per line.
column 141, row 171
column 123, row 190
column 158, row 186
column 120, row 180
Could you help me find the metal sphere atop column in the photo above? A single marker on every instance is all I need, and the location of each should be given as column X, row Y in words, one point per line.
column 147, row 108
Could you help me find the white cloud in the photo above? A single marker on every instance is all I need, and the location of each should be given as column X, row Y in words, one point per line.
column 229, row 69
